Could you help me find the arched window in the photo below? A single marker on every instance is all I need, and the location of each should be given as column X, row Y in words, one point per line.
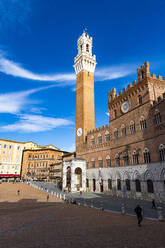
column 87, row 163
column 93, row 162
column 3, row 159
column 116, row 134
column 107, row 136
column 92, row 140
column 100, row 161
column 138, row 185
column 115, row 114
column 109, row 183
column 147, row 158
column 87, row 47
column 140, row 100
column 157, row 117
column 123, row 130
column 118, row 184
column 162, row 152
column 135, row 157
column 117, row 158
column 128, row 186
column 126, row 158
column 99, row 138
column 132, row 127
column 108, row 161
column 150, row 186
column 143, row 123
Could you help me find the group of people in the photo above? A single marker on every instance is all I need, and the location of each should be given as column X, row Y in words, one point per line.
column 139, row 212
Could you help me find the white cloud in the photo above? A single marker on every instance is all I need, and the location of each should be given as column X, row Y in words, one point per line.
column 114, row 72
column 11, row 68
column 35, row 123
column 14, row 102
column 107, row 113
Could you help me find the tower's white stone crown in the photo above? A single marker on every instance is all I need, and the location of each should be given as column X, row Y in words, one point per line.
column 84, row 60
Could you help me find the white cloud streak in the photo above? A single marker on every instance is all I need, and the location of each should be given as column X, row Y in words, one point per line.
column 114, row 72
column 14, row 102
column 35, row 123
column 9, row 67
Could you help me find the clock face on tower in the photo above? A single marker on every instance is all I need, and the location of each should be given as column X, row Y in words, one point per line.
column 79, row 131
column 125, row 107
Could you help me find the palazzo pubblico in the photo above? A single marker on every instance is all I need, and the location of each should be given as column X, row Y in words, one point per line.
column 127, row 156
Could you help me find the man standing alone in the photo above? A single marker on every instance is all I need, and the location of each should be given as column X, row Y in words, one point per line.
column 138, row 211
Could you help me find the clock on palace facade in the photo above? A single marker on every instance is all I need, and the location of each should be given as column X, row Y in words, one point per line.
column 125, row 107
column 79, row 131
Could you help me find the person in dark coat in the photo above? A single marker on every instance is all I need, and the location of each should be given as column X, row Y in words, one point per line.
column 138, row 211
column 153, row 204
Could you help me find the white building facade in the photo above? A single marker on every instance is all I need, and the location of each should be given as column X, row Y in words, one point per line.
column 10, row 159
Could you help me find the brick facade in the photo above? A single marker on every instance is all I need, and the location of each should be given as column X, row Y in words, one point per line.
column 137, row 129
column 37, row 163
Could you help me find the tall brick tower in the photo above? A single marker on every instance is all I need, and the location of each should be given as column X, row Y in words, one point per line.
column 84, row 64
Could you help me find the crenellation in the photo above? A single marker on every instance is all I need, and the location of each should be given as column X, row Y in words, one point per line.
column 134, row 83
column 120, row 92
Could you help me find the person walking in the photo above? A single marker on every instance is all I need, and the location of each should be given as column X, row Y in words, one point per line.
column 153, row 204
column 138, row 211
column 47, row 198
column 18, row 192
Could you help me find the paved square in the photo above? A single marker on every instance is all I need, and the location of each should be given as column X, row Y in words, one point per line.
column 29, row 221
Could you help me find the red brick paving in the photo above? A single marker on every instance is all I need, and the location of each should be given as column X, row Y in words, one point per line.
column 55, row 224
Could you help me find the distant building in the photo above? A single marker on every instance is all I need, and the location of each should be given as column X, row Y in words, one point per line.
column 128, row 154
column 56, row 168
column 10, row 159
column 39, row 162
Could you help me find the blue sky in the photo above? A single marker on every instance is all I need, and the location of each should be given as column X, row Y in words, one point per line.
column 38, row 43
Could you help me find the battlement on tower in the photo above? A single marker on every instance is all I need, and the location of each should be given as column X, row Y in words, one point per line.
column 143, row 76
column 98, row 129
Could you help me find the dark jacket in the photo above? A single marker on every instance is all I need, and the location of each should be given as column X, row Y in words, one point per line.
column 138, row 210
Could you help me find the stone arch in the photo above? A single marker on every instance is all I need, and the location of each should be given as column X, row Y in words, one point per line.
column 134, row 152
column 162, row 175
column 148, row 175
column 156, row 111
column 107, row 132
column 116, row 155
column 78, row 172
column 142, row 118
column 108, row 157
column 99, row 135
column 146, row 149
column 118, row 175
column 126, row 175
column 136, row 175
column 161, row 146
column 122, row 126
